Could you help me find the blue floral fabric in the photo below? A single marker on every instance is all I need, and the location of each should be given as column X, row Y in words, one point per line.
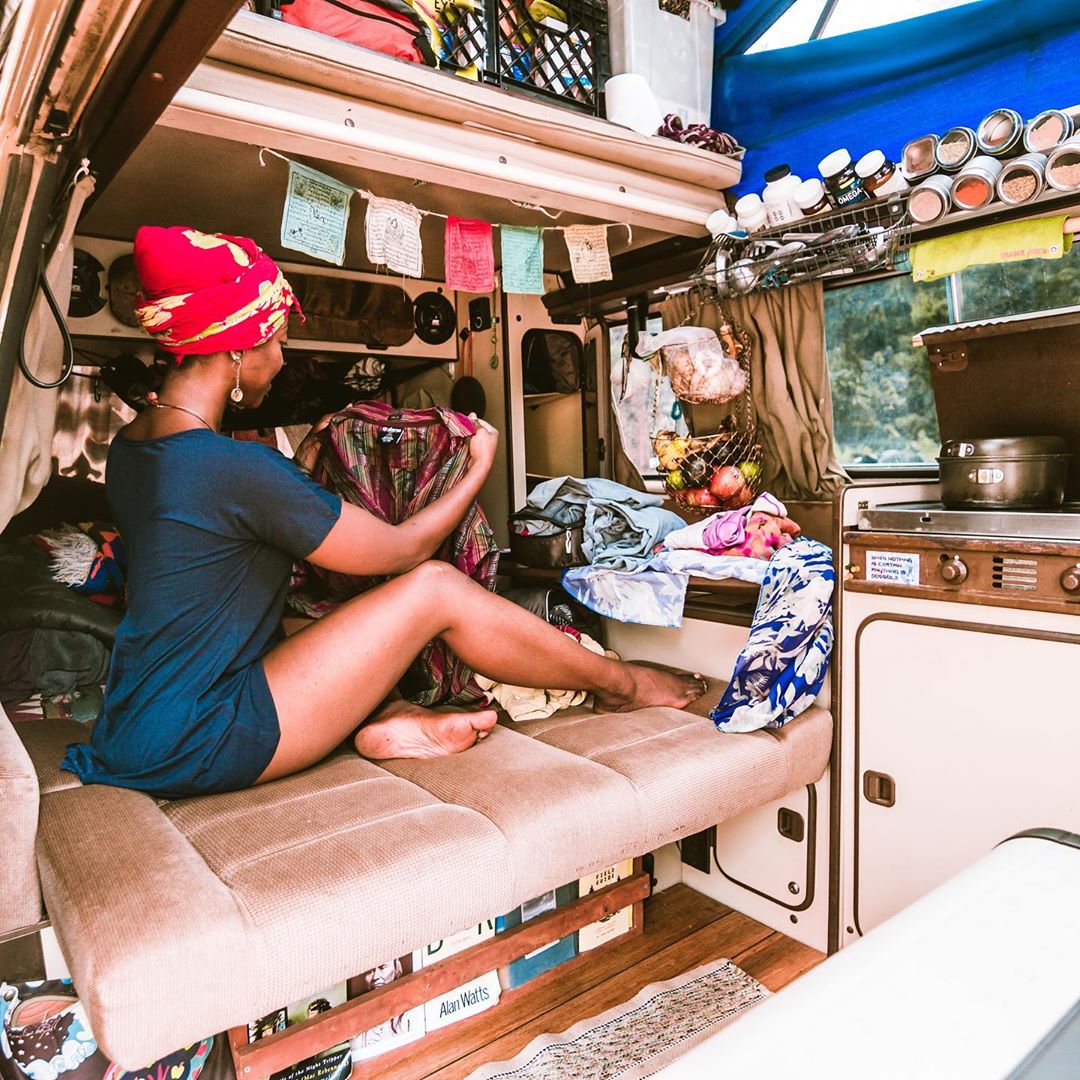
column 782, row 667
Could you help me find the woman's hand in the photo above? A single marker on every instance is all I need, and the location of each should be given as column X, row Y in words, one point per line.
column 482, row 446
column 308, row 450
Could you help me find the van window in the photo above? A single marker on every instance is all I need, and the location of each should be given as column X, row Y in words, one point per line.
column 812, row 19
column 883, row 407
column 989, row 292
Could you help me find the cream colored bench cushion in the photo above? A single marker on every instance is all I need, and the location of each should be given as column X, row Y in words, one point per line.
column 182, row 919
column 563, row 816
column 686, row 774
column 20, row 897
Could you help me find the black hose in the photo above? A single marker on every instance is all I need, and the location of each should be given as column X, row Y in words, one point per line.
column 58, row 315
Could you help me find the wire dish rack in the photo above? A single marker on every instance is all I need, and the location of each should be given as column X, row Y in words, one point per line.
column 869, row 236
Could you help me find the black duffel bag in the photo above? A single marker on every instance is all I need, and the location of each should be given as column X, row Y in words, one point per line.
column 545, row 542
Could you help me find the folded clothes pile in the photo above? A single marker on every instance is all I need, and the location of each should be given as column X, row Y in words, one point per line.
column 756, row 531
column 730, row 544
column 622, row 526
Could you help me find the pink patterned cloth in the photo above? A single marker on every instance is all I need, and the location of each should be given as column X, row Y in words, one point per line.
column 393, row 462
column 721, row 532
column 470, row 256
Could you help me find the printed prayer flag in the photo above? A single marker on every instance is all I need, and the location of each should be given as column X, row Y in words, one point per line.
column 589, row 259
column 470, row 257
column 393, row 236
column 522, row 259
column 316, row 215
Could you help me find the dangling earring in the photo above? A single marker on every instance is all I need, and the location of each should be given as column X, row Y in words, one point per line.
column 236, row 394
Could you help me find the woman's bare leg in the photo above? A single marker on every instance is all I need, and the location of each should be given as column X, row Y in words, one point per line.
column 331, row 676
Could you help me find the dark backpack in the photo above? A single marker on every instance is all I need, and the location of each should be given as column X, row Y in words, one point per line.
column 387, row 26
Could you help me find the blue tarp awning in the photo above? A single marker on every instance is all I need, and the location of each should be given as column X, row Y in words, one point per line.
column 876, row 89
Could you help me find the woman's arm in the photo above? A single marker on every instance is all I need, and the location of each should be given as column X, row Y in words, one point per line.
column 361, row 543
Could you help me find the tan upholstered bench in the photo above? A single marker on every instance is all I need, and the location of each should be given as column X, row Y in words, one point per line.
column 185, row 918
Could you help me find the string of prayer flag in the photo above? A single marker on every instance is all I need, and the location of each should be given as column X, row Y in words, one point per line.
column 588, row 247
column 316, row 215
column 522, row 259
column 393, row 236
column 470, row 256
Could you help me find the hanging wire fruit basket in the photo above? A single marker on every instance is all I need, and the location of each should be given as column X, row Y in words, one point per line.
column 720, row 469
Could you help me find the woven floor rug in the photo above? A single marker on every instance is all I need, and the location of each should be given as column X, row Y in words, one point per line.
column 638, row 1038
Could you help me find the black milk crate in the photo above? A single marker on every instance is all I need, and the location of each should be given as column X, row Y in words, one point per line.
column 555, row 49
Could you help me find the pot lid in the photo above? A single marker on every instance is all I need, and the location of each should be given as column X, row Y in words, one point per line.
column 1017, row 446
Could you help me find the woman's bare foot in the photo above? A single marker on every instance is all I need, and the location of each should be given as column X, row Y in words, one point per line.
column 653, row 686
column 399, row 729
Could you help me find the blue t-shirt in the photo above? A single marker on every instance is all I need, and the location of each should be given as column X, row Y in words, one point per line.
column 212, row 527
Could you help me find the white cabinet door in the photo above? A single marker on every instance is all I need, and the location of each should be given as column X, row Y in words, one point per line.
column 979, row 733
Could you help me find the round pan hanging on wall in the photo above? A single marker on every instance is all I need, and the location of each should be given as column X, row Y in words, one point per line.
column 436, row 320
column 467, row 395
column 86, row 298
column 123, row 289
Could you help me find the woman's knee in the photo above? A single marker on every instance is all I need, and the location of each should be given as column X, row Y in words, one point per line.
column 434, row 574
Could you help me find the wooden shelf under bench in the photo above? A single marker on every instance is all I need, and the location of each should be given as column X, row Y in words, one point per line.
column 273, row 1053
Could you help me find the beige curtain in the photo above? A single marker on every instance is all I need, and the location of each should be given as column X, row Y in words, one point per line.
column 30, row 421
column 789, row 381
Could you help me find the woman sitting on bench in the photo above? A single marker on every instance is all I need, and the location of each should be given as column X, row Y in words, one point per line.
column 203, row 694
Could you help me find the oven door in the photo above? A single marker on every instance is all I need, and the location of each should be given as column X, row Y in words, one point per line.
column 967, row 730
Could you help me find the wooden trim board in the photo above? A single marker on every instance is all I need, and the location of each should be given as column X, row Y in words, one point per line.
column 259, row 1060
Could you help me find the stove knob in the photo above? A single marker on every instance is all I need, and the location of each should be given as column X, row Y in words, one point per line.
column 954, row 571
column 1070, row 579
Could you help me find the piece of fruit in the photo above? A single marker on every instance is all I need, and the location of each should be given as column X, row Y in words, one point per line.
column 675, row 480
column 696, row 471
column 751, row 470
column 727, row 484
column 673, row 452
column 699, row 497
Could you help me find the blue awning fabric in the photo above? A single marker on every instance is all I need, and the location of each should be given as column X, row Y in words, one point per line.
column 876, row 89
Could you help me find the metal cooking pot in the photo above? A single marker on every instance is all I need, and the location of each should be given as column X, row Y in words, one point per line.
column 1023, row 472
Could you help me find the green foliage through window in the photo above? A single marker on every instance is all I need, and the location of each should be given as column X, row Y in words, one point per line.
column 883, row 405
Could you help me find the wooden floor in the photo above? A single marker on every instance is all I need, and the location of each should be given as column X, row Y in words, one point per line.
column 683, row 929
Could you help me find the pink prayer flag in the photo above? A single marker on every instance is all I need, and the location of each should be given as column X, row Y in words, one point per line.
column 470, row 256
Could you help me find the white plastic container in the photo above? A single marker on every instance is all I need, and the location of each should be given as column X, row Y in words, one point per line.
column 779, row 196
column 630, row 102
column 810, row 197
column 750, row 211
column 674, row 55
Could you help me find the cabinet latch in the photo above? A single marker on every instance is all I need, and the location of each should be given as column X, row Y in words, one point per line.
column 879, row 788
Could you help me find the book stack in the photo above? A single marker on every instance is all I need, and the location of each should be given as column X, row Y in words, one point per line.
column 332, row 1064
column 464, row 1001
column 471, row 998
column 519, row 972
column 620, row 922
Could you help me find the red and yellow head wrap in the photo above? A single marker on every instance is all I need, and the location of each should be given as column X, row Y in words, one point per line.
column 208, row 292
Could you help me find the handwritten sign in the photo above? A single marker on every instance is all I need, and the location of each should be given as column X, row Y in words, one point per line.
column 589, row 259
column 894, row 567
column 393, row 236
column 470, row 257
column 316, row 215
column 522, row 259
